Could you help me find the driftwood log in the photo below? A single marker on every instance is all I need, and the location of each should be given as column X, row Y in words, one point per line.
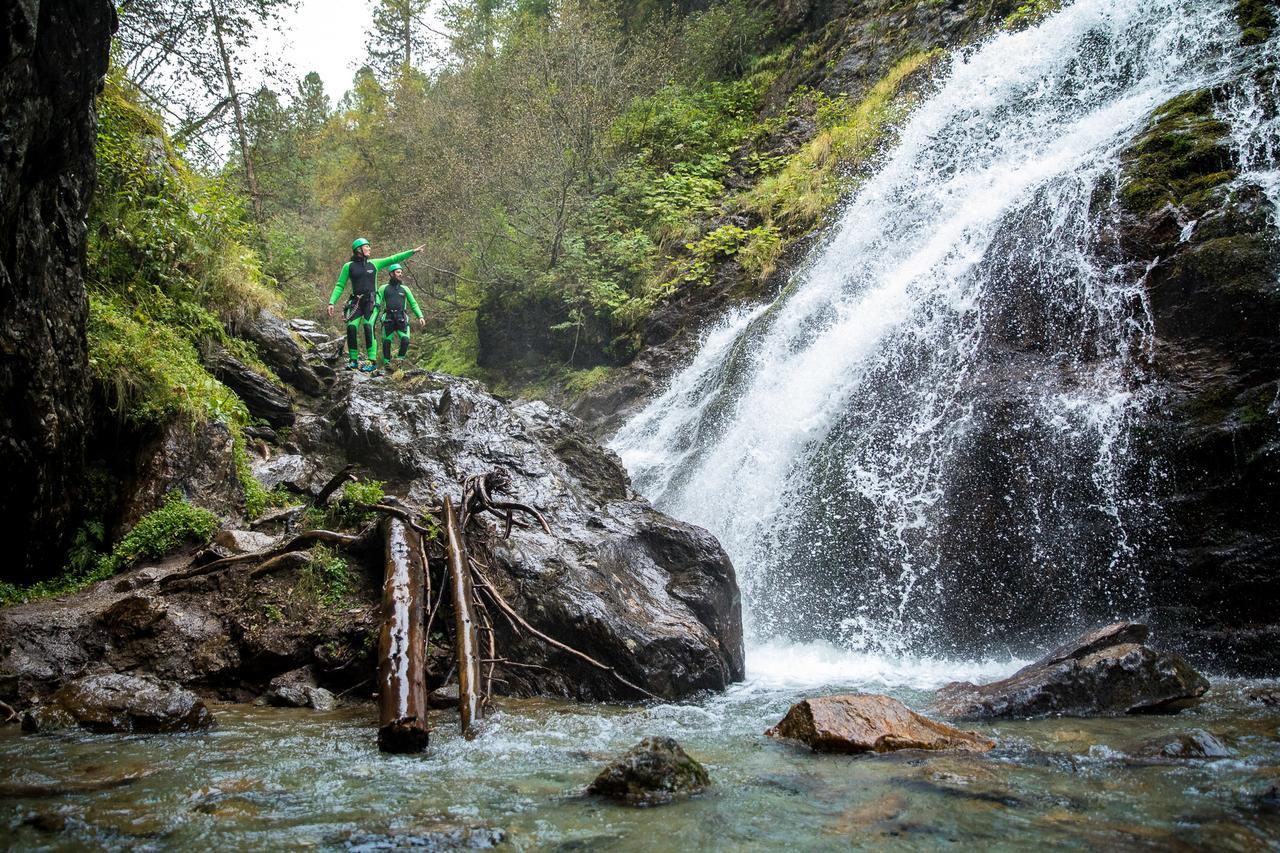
column 466, row 642
column 402, row 689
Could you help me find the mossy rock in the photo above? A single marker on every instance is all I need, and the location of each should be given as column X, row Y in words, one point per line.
column 1183, row 155
column 1256, row 19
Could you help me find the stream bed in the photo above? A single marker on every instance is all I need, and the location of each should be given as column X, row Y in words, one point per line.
column 269, row 778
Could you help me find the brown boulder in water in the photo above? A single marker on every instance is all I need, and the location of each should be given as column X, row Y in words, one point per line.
column 1106, row 672
column 115, row 702
column 861, row 722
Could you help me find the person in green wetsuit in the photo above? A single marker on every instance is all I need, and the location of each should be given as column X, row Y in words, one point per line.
column 395, row 301
column 362, row 272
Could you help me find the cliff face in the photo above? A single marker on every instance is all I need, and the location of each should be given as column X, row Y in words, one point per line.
column 52, row 56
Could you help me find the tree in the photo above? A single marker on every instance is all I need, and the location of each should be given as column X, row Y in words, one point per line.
column 183, row 55
column 400, row 36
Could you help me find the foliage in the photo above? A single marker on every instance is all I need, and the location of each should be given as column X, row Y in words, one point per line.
column 327, row 577
column 850, row 134
column 168, row 264
column 1031, row 12
column 355, row 495
column 155, row 535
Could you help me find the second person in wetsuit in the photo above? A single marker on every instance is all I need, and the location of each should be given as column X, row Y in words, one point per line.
column 395, row 301
column 362, row 272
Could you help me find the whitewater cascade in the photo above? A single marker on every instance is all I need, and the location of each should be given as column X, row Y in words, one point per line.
column 926, row 443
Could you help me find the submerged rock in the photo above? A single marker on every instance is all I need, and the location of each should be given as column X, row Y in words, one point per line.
column 869, row 723
column 116, row 702
column 1105, row 672
column 1269, row 696
column 655, row 771
column 1193, row 743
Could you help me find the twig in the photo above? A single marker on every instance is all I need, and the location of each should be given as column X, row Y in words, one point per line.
column 294, row 544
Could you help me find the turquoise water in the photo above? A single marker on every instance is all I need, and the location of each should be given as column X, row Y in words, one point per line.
column 276, row 778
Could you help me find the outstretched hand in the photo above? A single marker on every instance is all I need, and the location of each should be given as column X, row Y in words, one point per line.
column 420, row 248
column 329, row 309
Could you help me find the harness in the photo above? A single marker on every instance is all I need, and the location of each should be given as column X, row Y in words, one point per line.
column 363, row 275
column 393, row 305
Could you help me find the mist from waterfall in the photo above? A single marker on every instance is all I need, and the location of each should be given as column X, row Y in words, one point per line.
column 926, row 443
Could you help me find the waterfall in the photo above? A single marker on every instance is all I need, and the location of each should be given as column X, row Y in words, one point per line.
column 927, row 443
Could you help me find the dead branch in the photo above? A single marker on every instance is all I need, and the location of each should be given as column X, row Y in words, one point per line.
column 402, row 691
column 287, row 560
column 302, row 540
column 464, row 621
column 335, row 483
column 477, row 497
column 506, row 608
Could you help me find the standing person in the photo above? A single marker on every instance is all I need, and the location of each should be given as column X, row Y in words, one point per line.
column 395, row 300
column 362, row 272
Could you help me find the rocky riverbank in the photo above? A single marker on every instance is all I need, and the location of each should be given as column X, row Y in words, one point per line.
column 652, row 597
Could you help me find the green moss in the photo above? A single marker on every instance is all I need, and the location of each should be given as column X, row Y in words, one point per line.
column 1030, row 13
column 798, row 196
column 155, row 535
column 1181, row 157
column 579, row 382
column 1256, row 19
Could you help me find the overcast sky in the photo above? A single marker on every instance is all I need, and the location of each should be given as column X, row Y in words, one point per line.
column 324, row 36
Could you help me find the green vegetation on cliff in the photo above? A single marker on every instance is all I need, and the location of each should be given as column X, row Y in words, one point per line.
column 157, row 533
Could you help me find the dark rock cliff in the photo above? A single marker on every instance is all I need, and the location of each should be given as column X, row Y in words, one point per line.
column 1207, row 241
column 52, row 56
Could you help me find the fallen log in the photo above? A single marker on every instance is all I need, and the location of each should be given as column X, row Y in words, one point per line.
column 465, row 640
column 402, row 690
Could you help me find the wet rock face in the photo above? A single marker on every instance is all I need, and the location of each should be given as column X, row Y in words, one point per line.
column 655, row 771
column 121, row 703
column 1207, row 246
column 653, row 597
column 52, row 56
column 1107, row 672
column 282, row 353
column 264, row 398
column 867, row 723
column 196, row 459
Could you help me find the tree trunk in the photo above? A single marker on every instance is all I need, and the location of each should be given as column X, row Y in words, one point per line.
column 465, row 639
column 402, row 688
column 250, row 178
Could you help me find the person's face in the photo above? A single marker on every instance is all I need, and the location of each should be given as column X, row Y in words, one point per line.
column 366, row 250
column 397, row 274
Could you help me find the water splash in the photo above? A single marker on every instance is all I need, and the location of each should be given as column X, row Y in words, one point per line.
column 926, row 443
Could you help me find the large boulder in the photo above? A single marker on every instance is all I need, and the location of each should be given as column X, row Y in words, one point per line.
column 655, row 771
column 652, row 597
column 1107, row 672
column 860, row 722
column 53, row 55
column 282, row 353
column 115, row 702
column 263, row 398
column 196, row 459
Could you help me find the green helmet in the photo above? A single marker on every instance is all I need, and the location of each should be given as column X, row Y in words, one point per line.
column 359, row 241
column 392, row 268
